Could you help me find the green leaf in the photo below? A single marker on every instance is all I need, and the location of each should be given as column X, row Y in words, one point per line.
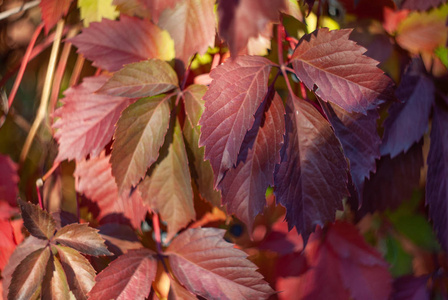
column 168, row 190
column 442, row 54
column 28, row 275
column 38, row 222
column 82, row 238
column 142, row 79
column 95, row 10
column 400, row 261
column 138, row 137
column 55, row 285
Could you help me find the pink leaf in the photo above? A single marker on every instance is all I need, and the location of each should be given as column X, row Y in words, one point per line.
column 8, row 180
column 238, row 88
column 53, row 11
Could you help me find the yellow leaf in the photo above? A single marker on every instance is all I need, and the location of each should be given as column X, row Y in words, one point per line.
column 95, row 10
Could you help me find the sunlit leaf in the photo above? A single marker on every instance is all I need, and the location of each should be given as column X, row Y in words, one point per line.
column 96, row 10
column 53, row 11
column 55, row 285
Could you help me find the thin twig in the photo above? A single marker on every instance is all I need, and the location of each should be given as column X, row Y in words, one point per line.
column 158, row 237
column 42, row 110
column 76, row 70
column 13, row 11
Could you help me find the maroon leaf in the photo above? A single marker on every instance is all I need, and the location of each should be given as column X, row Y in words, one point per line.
column 350, row 268
column 53, row 11
column 29, row 274
column 244, row 187
column 138, row 137
column 312, row 177
column 82, row 238
column 437, row 180
column 119, row 238
column 8, row 180
column 411, row 288
column 156, row 7
column 421, row 4
column 210, row 267
column 142, row 79
column 360, row 141
column 191, row 24
column 80, row 274
column 128, row 277
column 110, row 45
column 237, row 90
column 168, row 189
column 178, row 292
column 417, row 96
column 240, row 20
column 87, row 119
column 342, row 74
column 55, row 285
column 38, row 222
column 96, row 182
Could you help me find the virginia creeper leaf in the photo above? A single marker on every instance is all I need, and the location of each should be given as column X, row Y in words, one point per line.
column 312, row 177
column 87, row 119
column 208, row 266
column 53, row 11
column 168, row 189
column 29, row 274
column 80, row 274
column 7, row 242
column 437, row 180
column 178, row 292
column 421, row 4
column 191, row 24
column 96, row 10
column 411, row 288
column 240, row 20
column 96, row 182
column 360, row 141
column 110, row 45
column 139, row 134
column 8, row 180
column 38, row 222
column 128, row 277
column 244, row 187
column 82, row 238
column 142, row 79
column 416, row 92
column 55, row 285
column 119, row 238
column 237, row 90
column 132, row 8
column 194, row 104
column 342, row 74
column 156, row 7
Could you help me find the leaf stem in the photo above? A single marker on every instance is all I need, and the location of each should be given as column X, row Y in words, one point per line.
column 187, row 73
column 76, row 70
column 39, row 183
column 280, row 30
column 156, row 225
column 48, row 174
column 319, row 8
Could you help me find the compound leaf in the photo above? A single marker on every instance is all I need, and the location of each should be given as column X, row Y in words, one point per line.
column 38, row 222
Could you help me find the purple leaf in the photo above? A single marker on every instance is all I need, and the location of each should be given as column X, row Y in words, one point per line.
column 38, row 222
column 411, row 288
column 244, row 187
column 312, row 177
column 342, row 74
column 8, row 180
column 237, row 90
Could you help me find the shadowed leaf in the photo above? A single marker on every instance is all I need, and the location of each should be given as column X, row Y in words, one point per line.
column 421, row 4
column 55, row 285
column 38, row 222
column 178, row 292
column 9, row 179
column 156, row 7
column 53, row 11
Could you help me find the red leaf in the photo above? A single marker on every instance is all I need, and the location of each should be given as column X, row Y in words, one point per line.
column 80, row 274
column 55, row 285
column 29, row 274
column 411, row 288
column 53, row 11
column 312, row 177
column 244, row 187
column 168, row 189
column 349, row 267
column 139, row 135
column 240, row 20
column 156, row 7
column 110, row 45
column 212, row 268
column 342, row 74
column 8, row 180
column 237, row 90
column 87, row 119
column 128, row 277
column 7, row 242
column 82, row 238
column 38, row 222
column 96, row 182
column 191, row 24
column 421, row 4
column 142, row 79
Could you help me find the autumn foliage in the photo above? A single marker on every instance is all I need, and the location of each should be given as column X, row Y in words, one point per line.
column 252, row 149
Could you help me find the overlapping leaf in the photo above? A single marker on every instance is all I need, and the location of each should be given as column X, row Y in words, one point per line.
column 156, row 7
column 237, row 90
column 210, row 267
column 244, row 187
column 190, row 18
column 421, row 4
column 96, row 182
column 87, row 119
column 138, row 137
column 128, row 277
column 437, row 180
column 132, row 8
column 110, row 44
column 8, row 180
column 96, row 10
column 312, row 177
column 168, row 189
column 38, row 222
column 55, row 285
column 178, row 292
column 142, row 79
column 53, row 11
column 82, row 238
column 342, row 74
column 411, row 288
